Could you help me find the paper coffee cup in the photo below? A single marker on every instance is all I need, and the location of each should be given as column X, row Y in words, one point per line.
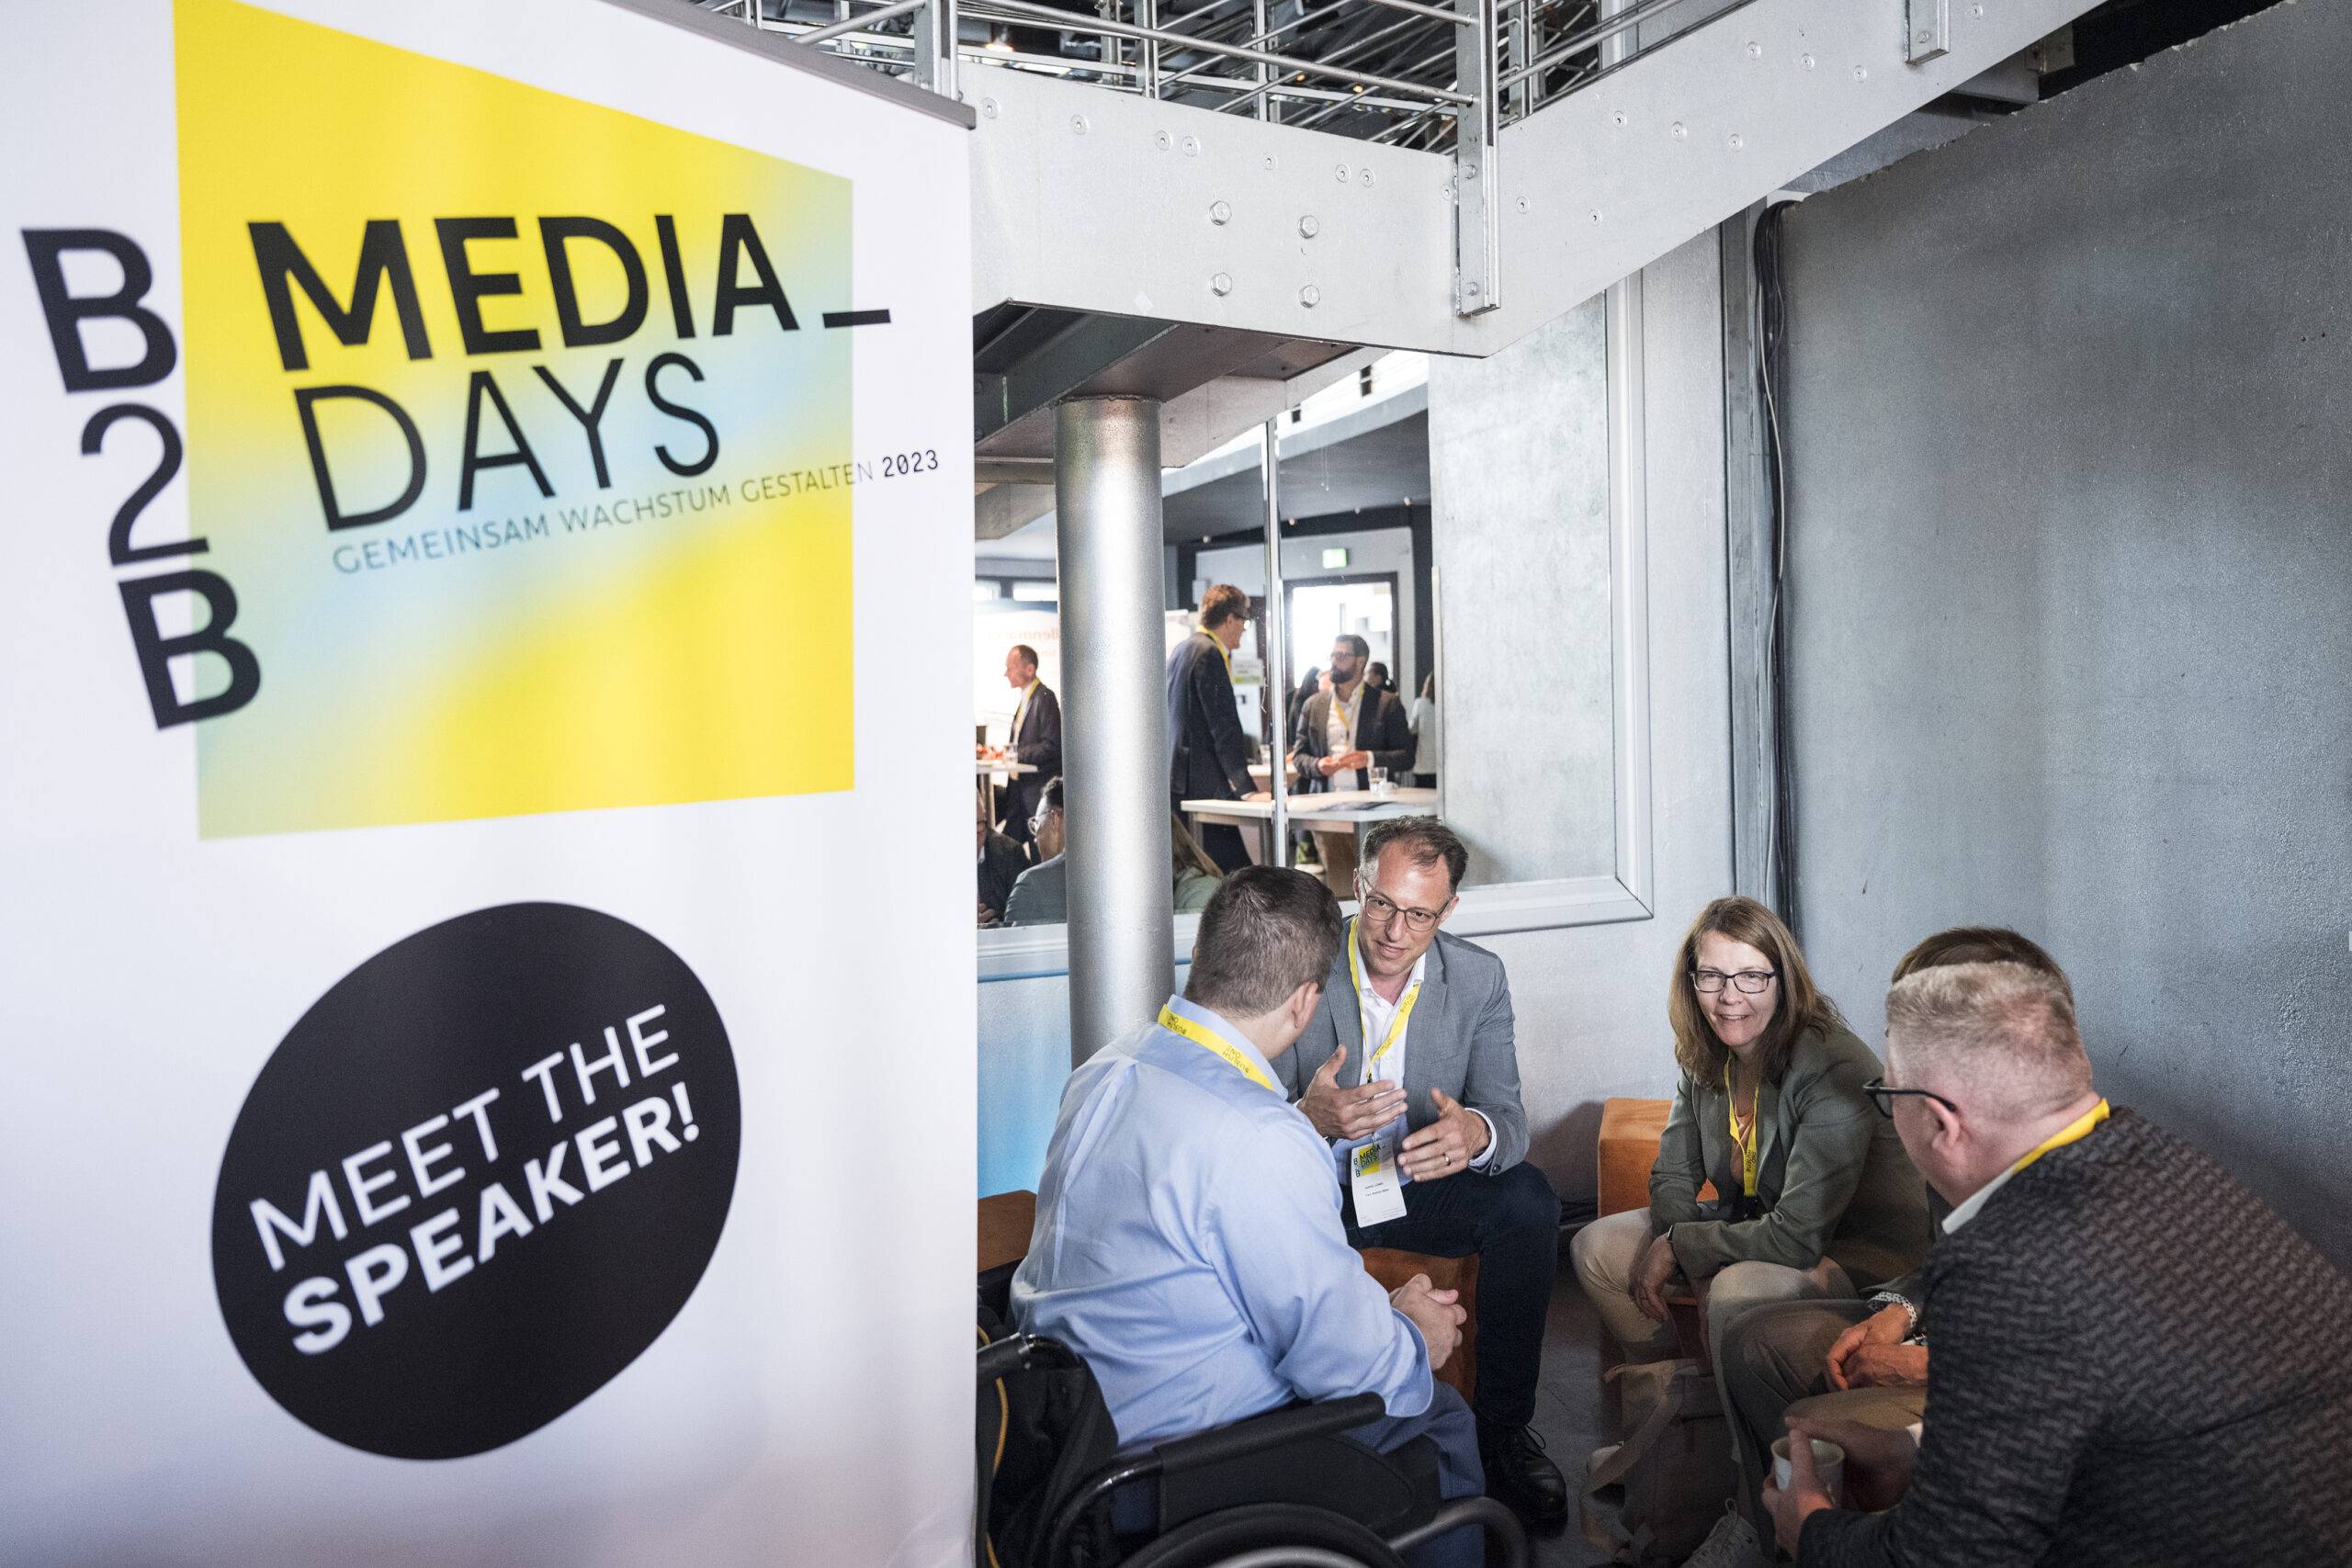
column 1828, row 1466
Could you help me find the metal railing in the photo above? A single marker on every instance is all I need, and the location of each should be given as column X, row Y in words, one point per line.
column 1439, row 78
column 1401, row 73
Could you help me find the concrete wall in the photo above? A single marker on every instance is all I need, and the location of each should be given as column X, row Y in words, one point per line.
column 1591, row 1000
column 2071, row 578
column 1519, row 478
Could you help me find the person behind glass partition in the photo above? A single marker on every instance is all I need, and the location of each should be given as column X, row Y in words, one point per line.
column 1000, row 862
column 1426, row 739
column 1208, row 753
column 1034, row 741
column 1343, row 735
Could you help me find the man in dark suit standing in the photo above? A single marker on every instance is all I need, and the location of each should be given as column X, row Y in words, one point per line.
column 1208, row 753
column 1410, row 1070
column 1034, row 741
column 2136, row 1362
column 1343, row 733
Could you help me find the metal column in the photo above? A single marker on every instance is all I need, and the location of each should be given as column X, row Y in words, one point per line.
column 1115, row 750
column 1277, row 636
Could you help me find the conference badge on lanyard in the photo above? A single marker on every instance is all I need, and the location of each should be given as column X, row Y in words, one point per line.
column 1373, row 1177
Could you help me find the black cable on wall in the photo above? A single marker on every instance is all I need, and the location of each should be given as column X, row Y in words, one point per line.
column 1771, row 370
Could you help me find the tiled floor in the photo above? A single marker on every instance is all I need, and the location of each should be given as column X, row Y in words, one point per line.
column 1567, row 1410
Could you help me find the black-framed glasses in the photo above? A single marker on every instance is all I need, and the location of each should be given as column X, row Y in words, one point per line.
column 1882, row 1097
column 1749, row 981
column 1384, row 909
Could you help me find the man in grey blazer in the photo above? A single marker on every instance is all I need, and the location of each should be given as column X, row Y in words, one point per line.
column 1427, row 1116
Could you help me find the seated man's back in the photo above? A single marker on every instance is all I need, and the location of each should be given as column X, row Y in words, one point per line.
column 1189, row 1246
column 1188, row 1240
column 2205, row 1422
column 2135, row 1361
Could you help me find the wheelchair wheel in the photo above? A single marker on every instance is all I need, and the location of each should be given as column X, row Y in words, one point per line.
column 1268, row 1535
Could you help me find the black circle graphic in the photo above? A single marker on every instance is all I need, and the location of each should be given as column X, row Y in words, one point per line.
column 478, row 1178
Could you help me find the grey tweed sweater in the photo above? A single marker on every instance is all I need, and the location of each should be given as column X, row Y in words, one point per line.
column 2136, row 1363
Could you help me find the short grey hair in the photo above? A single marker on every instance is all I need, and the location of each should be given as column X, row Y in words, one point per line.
column 1267, row 932
column 1998, row 1037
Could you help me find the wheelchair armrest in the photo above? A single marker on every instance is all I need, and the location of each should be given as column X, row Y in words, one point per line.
column 1275, row 1428
column 1024, row 1352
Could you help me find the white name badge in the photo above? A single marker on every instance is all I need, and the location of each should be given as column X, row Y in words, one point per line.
column 1372, row 1176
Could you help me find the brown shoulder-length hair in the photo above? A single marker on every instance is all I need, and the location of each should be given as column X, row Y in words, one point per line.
column 1800, row 1006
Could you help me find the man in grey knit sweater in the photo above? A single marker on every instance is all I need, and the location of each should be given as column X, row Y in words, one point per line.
column 2099, row 1393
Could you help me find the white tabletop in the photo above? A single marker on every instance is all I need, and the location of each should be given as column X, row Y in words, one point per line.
column 1346, row 806
column 1005, row 769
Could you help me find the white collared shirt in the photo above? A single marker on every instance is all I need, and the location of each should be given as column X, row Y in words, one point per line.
column 1377, row 1012
column 1963, row 1212
column 1020, row 711
column 1339, row 740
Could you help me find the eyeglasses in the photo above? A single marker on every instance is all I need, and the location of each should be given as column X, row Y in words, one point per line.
column 1883, row 1097
column 1037, row 818
column 1751, row 982
column 1384, row 910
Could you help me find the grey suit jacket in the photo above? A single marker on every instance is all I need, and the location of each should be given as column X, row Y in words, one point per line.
column 1461, row 1040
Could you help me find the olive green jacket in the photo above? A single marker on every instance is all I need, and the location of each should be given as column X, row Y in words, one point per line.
column 1831, row 1174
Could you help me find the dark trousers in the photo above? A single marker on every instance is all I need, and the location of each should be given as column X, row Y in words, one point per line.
column 1513, row 1221
column 1447, row 1423
column 1222, row 843
column 1776, row 1355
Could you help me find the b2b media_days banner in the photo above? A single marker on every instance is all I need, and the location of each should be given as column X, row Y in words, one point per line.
column 491, row 508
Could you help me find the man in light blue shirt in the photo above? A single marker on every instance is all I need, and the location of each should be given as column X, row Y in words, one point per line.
column 1189, row 1243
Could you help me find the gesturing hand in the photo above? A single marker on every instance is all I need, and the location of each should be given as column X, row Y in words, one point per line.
column 1447, row 1144
column 1872, row 1351
column 1433, row 1312
column 1349, row 1112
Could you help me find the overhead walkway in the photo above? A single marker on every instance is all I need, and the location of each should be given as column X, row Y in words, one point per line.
column 1442, row 177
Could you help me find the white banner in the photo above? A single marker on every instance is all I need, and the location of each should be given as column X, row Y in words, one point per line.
column 482, row 884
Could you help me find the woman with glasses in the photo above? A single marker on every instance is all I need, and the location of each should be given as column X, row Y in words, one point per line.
column 1814, row 1194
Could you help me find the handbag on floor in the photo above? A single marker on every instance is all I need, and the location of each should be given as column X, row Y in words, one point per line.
column 1669, row 1479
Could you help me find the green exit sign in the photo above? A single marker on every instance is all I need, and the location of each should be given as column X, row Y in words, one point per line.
column 1335, row 560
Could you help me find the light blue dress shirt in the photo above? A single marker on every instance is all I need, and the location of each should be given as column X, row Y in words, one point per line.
column 1189, row 1246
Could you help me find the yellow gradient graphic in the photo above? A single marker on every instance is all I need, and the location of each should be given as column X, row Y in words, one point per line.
column 655, row 638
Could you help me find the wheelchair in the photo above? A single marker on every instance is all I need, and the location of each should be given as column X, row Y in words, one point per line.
column 1278, row 1490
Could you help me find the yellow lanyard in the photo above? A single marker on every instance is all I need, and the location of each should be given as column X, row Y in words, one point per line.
column 1021, row 710
column 1222, row 651
column 1209, row 1039
column 2073, row 1132
column 1348, row 717
column 1396, row 1024
column 1746, row 1146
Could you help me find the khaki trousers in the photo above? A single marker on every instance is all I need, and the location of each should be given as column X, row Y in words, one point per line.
column 1606, row 1251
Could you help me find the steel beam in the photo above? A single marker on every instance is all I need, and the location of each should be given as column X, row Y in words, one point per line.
column 1603, row 181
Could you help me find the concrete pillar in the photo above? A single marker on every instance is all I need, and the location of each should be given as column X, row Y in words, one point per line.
column 1115, row 716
